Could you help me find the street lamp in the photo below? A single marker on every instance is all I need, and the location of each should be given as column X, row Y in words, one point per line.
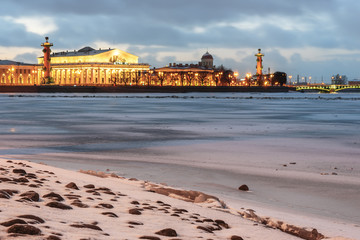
column 219, row 78
column 161, row 74
column 248, row 78
column 150, row 74
column 236, row 74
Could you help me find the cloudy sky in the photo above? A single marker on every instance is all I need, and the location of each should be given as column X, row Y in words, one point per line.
column 316, row 38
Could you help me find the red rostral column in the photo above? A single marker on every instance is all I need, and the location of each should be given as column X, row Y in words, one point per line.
column 259, row 66
column 46, row 52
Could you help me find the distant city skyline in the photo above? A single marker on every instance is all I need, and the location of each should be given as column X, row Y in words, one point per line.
column 314, row 39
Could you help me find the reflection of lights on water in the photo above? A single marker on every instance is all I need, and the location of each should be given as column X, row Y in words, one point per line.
column 12, row 130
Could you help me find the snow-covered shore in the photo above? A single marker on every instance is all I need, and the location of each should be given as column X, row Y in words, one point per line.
column 41, row 198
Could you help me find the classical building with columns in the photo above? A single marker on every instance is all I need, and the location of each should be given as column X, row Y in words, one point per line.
column 177, row 74
column 88, row 66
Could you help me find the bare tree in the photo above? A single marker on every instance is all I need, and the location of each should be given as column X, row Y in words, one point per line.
column 190, row 76
column 136, row 76
column 173, row 78
column 227, row 77
column 115, row 79
column 182, row 76
column 149, row 76
column 202, row 76
column 161, row 76
column 125, row 77
column 218, row 77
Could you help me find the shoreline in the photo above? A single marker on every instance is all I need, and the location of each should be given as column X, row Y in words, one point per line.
column 133, row 189
column 135, row 89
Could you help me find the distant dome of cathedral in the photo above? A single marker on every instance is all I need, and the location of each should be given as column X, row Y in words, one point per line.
column 207, row 55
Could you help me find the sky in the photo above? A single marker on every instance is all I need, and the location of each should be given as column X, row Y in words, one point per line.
column 309, row 38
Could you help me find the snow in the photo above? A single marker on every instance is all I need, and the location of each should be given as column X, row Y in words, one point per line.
column 206, row 142
column 58, row 221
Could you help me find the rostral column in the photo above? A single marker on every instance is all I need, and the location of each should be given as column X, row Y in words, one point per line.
column 46, row 66
column 259, row 66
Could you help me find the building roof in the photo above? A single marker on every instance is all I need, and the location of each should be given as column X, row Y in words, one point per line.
column 207, row 55
column 184, row 68
column 9, row 62
column 85, row 51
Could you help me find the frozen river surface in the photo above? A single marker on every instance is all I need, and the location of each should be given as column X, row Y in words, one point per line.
column 298, row 153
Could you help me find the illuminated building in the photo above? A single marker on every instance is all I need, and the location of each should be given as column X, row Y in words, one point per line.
column 201, row 74
column 88, row 66
column 17, row 73
column 109, row 67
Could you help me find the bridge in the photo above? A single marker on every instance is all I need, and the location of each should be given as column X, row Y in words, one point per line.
column 327, row 88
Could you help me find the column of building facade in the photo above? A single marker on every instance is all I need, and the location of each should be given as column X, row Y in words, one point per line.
column 56, row 76
column 64, row 77
column 92, row 81
column 68, row 78
column 61, row 80
column 71, row 76
column 81, row 76
column 98, row 75
column 68, row 75
column 108, row 76
column 75, row 77
column 105, row 76
column 88, row 76
column 86, row 79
